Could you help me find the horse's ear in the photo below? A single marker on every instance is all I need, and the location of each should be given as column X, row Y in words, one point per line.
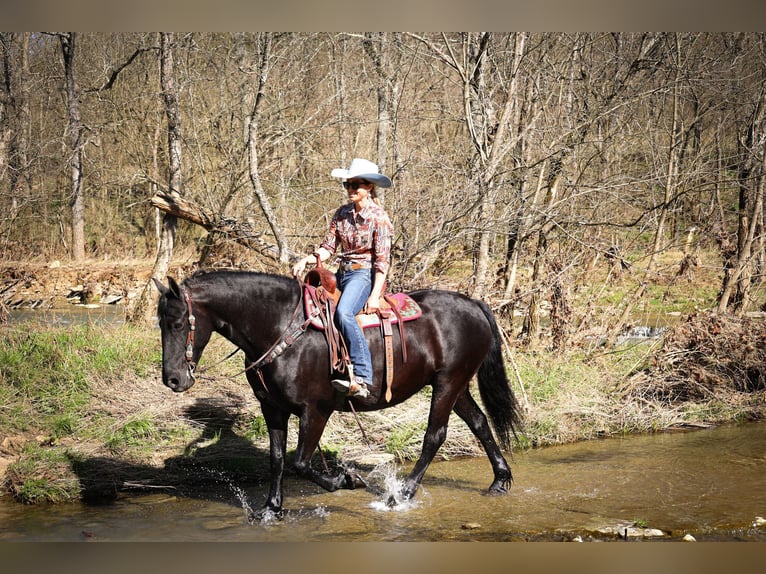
column 174, row 288
column 160, row 287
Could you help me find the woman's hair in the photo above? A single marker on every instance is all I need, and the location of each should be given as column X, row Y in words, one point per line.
column 374, row 194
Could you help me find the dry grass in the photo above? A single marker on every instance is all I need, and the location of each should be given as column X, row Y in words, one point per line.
column 704, row 357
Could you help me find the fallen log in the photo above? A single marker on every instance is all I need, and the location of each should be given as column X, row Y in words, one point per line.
column 228, row 227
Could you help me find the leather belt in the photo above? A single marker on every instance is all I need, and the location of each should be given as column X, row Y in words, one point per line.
column 349, row 266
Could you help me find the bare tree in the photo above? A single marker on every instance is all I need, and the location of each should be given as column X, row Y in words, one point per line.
column 76, row 143
column 15, row 119
column 490, row 133
column 142, row 309
column 261, row 70
column 739, row 270
column 384, row 51
column 522, row 161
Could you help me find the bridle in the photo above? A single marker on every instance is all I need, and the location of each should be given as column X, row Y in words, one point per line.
column 190, row 364
column 286, row 339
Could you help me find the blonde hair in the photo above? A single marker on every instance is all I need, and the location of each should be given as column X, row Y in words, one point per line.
column 374, row 194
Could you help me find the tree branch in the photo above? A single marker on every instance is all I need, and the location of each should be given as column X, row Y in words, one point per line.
column 228, row 227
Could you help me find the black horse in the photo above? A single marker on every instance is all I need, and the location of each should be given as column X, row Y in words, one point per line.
column 289, row 369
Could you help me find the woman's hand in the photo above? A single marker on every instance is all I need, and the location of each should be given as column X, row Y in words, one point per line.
column 300, row 267
column 373, row 302
column 372, row 305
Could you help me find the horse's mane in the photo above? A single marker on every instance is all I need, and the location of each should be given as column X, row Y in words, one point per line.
column 241, row 282
column 226, row 275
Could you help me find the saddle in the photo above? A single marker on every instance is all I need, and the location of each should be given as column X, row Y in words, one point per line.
column 322, row 296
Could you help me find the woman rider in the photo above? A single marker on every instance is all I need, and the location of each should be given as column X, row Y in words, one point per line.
column 360, row 234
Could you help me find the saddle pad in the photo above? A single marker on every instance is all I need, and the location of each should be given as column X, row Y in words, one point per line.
column 405, row 305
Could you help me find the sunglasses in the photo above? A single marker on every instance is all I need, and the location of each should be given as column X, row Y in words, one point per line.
column 354, row 184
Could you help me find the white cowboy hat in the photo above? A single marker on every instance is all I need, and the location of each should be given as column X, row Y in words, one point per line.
column 363, row 169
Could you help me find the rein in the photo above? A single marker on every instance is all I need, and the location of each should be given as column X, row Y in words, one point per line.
column 286, row 339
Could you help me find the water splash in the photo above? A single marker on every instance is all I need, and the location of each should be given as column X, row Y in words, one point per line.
column 321, row 511
column 239, row 493
column 384, row 481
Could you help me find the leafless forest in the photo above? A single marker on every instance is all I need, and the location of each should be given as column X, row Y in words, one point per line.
column 525, row 165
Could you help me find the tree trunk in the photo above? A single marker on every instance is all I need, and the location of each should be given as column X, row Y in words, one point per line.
column 15, row 114
column 561, row 308
column 68, row 41
column 142, row 311
column 338, row 59
column 376, row 47
column 671, row 174
column 252, row 148
column 531, row 328
column 737, row 278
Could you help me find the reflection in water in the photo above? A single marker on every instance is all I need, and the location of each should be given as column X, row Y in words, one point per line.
column 707, row 483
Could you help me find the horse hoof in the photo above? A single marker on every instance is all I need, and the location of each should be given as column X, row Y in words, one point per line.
column 265, row 514
column 499, row 487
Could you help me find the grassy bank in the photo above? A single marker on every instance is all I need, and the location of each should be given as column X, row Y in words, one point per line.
column 84, row 415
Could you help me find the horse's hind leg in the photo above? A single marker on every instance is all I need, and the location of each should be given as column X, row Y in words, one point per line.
column 467, row 409
column 436, row 432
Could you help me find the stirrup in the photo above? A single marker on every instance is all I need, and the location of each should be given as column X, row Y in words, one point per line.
column 354, row 388
column 358, row 390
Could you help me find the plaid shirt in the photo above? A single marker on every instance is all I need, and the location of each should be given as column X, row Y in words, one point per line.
column 363, row 237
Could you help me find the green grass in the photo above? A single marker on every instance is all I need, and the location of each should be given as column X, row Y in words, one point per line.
column 46, row 376
column 49, row 379
column 139, row 432
column 253, row 427
column 43, row 475
column 404, row 441
column 86, row 394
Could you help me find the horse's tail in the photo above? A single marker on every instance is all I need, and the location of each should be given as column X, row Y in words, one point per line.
column 495, row 389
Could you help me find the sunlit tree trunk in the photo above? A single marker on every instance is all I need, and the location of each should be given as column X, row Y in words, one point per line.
column 263, row 66
column 143, row 310
column 491, row 135
column 77, row 203
column 531, row 327
column 377, row 46
column 338, row 59
column 15, row 123
column 671, row 174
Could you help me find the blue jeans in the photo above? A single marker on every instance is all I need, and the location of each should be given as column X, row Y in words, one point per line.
column 356, row 287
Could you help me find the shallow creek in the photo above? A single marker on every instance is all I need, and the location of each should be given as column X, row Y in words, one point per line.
column 707, row 483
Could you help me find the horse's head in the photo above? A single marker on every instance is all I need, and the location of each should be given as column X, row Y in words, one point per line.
column 182, row 337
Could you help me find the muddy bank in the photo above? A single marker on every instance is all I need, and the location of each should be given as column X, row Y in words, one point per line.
column 47, row 285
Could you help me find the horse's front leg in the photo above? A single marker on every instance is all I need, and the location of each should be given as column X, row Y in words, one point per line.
column 311, row 427
column 276, row 421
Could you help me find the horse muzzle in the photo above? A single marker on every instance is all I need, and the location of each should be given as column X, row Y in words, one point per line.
column 179, row 381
